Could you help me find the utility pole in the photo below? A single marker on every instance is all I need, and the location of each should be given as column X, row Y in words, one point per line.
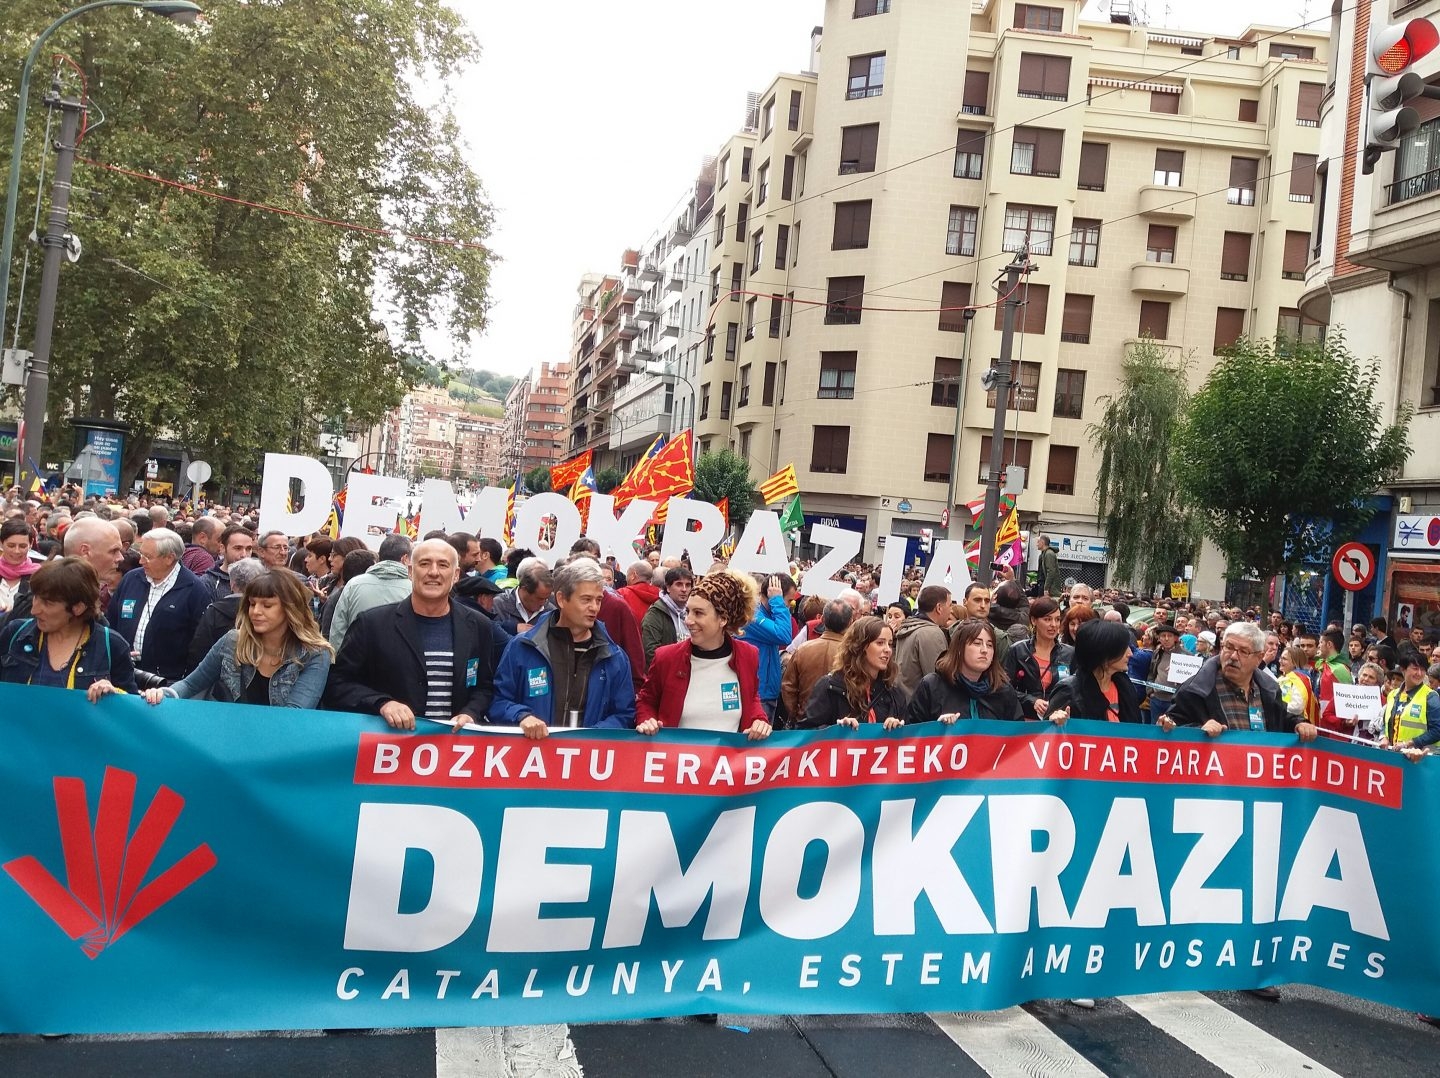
column 57, row 246
column 1020, row 266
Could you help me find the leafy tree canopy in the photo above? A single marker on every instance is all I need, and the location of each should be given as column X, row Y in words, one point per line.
column 221, row 324
column 725, row 474
column 538, row 479
column 607, row 479
column 1281, row 448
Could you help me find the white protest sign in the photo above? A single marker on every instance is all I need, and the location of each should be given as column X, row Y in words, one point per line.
column 1184, row 667
column 1357, row 702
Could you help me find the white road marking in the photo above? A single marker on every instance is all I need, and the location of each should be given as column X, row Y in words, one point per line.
column 1222, row 1037
column 506, row 1052
column 1014, row 1044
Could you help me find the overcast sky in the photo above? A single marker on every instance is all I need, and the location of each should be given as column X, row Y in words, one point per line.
column 588, row 121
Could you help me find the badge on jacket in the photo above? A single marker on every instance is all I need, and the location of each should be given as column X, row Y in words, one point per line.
column 539, row 679
column 472, row 673
column 127, row 608
column 730, row 696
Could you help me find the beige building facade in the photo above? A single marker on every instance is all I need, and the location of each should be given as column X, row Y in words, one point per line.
column 1163, row 181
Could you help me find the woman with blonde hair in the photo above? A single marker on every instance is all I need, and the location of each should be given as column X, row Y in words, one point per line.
column 274, row 656
column 1295, row 687
column 864, row 686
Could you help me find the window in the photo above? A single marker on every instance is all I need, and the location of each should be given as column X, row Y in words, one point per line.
column 1013, row 451
column 1085, row 242
column 782, row 245
column 1060, row 475
column 1235, row 257
column 737, row 279
column 719, row 226
column 1024, row 387
column 830, row 449
column 777, row 304
column 1302, row 177
column 976, row 98
column 1034, row 17
column 1307, row 104
column 1163, row 101
column 749, row 319
column 1249, row 111
column 1036, row 151
column 745, row 157
column 1229, row 327
column 726, row 390
column 795, row 243
column 1035, row 224
column 762, row 184
column 1030, row 317
column 744, row 386
column 1169, row 167
column 1291, row 52
column 969, row 154
column 857, row 148
column 710, row 344
column 1297, row 256
column 767, row 392
column 1094, row 156
column 1244, row 171
column 789, row 311
column 843, row 299
column 866, row 8
column 796, row 98
column 742, row 222
column 1069, row 393
column 1430, row 376
column 1076, row 317
column 960, row 235
column 1045, row 77
column 732, row 339
column 1160, row 244
column 724, row 171
column 767, row 120
column 744, row 447
column 954, row 295
column 939, row 450
column 705, row 401
column 757, row 250
column 945, row 388
column 867, row 76
column 787, row 178
column 1154, row 319
column 1417, row 165
column 837, row 376
column 1295, row 328
column 852, row 226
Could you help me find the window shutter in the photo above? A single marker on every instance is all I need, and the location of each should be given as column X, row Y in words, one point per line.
column 1057, row 77
column 1060, row 474
column 1307, row 106
column 938, row 450
column 1093, row 158
column 977, row 91
column 1302, row 175
column 1075, row 321
column 1297, row 252
column 1244, row 171
column 1249, row 111
column 1235, row 256
column 954, row 294
column 1155, row 319
column 1048, row 149
column 1229, row 326
column 1163, row 102
column 1170, row 161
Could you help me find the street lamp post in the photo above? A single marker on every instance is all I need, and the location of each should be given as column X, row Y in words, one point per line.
column 178, row 10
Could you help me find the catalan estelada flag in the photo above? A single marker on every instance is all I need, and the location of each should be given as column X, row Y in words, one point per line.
column 581, row 492
column 782, row 484
column 566, row 474
column 1009, row 530
column 624, row 494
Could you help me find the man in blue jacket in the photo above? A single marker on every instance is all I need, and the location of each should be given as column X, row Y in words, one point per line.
column 158, row 606
column 566, row 663
column 770, row 630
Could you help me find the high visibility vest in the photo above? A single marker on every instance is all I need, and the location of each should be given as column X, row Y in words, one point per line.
column 1405, row 720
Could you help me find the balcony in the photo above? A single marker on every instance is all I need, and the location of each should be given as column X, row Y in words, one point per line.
column 1159, row 279
column 1167, row 203
column 629, row 327
column 682, row 231
column 641, row 431
column 802, row 142
column 631, row 287
column 649, row 271
column 645, row 313
column 669, row 333
column 674, row 283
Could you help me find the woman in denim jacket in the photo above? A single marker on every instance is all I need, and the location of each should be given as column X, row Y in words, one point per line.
column 274, row 656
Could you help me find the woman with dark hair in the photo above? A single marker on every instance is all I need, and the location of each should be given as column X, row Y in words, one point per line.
column 864, row 686
column 1071, row 621
column 895, row 615
column 349, row 563
column 61, row 643
column 709, row 681
column 968, row 682
column 274, row 656
column 16, row 565
column 1037, row 665
column 1100, row 687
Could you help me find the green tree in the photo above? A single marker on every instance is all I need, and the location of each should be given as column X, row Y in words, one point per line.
column 213, row 320
column 1148, row 530
column 725, row 474
column 538, row 479
column 607, row 479
column 1281, row 448
column 429, row 468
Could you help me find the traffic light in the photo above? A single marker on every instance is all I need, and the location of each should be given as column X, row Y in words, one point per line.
column 1390, row 82
column 927, row 539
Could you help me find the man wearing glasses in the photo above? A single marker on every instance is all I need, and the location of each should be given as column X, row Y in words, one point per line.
column 1231, row 692
column 158, row 606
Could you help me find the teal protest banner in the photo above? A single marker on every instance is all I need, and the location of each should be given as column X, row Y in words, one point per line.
column 200, row 866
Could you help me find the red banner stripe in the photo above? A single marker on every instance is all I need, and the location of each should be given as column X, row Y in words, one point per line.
column 52, row 897
column 77, row 843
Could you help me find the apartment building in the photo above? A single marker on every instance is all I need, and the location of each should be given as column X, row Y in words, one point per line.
column 1374, row 273
column 1163, row 182
column 533, row 433
column 477, row 448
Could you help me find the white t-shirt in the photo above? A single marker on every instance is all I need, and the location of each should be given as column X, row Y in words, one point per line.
column 713, row 700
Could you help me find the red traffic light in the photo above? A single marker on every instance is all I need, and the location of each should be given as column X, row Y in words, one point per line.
column 1394, row 48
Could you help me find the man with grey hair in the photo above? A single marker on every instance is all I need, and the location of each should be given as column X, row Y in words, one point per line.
column 274, row 549
column 219, row 616
column 519, row 609
column 1231, row 692
column 814, row 659
column 387, row 581
column 158, row 606
column 565, row 669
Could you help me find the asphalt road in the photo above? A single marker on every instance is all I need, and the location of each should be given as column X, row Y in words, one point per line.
column 1311, row 1033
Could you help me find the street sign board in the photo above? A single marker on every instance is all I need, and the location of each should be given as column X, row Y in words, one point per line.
column 1353, row 566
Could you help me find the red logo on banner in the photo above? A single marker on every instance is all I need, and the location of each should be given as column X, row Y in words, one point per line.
column 102, row 897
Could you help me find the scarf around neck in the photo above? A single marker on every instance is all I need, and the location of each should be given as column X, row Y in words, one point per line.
column 11, row 573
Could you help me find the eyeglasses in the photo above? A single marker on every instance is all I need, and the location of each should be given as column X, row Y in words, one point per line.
column 1238, row 652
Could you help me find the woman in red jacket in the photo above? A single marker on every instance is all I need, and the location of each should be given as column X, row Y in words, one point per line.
column 710, row 681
